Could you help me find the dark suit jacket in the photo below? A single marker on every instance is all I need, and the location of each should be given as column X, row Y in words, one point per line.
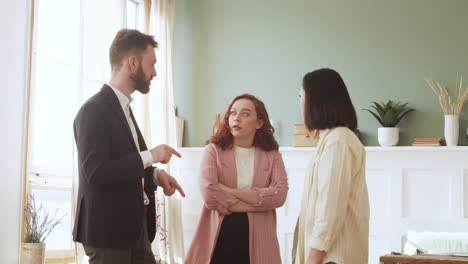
column 110, row 197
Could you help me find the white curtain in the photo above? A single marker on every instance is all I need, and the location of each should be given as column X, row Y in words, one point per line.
column 98, row 29
column 169, row 237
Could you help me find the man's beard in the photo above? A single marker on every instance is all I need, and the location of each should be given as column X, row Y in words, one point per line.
column 139, row 82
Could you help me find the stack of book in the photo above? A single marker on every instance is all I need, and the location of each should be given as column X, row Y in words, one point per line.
column 427, row 142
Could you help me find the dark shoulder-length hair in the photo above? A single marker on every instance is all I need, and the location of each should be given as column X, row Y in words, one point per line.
column 327, row 101
column 263, row 139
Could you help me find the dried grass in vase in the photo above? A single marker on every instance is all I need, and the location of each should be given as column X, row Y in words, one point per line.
column 449, row 106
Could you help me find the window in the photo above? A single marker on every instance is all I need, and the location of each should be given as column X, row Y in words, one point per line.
column 132, row 15
column 69, row 64
column 135, row 20
column 55, row 83
column 135, row 14
column 60, row 200
column 54, row 93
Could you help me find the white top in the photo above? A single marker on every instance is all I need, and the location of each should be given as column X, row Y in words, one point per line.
column 245, row 163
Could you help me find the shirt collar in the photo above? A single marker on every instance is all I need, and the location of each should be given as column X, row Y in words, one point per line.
column 124, row 100
column 323, row 132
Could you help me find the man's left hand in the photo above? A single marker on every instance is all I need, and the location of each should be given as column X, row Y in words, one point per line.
column 169, row 184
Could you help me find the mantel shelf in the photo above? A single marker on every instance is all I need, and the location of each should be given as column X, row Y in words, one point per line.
column 368, row 149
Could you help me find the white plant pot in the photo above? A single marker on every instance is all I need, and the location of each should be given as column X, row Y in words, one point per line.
column 33, row 253
column 388, row 136
column 452, row 125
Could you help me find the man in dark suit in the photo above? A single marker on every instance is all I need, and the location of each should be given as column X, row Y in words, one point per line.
column 115, row 217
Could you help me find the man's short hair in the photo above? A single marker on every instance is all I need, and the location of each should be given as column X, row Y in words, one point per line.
column 128, row 42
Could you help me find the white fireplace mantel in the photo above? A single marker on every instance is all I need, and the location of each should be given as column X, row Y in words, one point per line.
column 418, row 188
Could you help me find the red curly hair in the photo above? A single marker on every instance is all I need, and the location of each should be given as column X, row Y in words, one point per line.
column 263, row 139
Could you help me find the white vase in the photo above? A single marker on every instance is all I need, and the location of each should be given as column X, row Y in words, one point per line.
column 388, row 136
column 452, row 125
column 32, row 253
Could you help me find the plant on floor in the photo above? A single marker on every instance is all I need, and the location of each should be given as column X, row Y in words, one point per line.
column 38, row 221
column 389, row 114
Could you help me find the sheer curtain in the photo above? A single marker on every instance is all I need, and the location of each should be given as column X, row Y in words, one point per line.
column 162, row 130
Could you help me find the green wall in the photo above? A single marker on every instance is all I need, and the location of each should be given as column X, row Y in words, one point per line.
column 382, row 49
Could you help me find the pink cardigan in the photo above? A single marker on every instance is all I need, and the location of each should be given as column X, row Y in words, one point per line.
column 270, row 181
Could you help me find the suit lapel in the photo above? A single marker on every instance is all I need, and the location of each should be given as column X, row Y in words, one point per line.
column 117, row 108
column 260, row 168
column 229, row 167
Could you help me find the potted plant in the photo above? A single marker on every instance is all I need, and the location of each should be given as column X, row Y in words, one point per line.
column 38, row 225
column 389, row 114
column 452, row 108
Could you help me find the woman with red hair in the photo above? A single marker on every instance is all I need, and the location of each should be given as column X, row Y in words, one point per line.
column 242, row 181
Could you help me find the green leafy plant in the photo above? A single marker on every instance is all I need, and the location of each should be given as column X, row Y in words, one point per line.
column 389, row 114
column 38, row 222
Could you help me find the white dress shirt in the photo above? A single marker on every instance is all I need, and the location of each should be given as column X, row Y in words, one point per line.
column 146, row 156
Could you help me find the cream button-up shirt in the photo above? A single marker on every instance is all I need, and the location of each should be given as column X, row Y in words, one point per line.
column 334, row 214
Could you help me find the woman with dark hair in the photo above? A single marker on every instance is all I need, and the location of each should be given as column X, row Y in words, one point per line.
column 333, row 225
column 242, row 181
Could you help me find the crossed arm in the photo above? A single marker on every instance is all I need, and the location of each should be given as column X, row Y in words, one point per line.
column 225, row 199
column 247, row 198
